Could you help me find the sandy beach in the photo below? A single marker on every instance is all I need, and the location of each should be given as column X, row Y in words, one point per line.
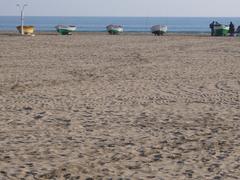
column 102, row 107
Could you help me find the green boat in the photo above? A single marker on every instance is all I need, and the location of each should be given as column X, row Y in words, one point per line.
column 221, row 30
column 114, row 29
column 65, row 30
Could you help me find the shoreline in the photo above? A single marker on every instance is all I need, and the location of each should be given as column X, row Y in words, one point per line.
column 106, row 33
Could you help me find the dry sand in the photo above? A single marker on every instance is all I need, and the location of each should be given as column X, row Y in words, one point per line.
column 111, row 107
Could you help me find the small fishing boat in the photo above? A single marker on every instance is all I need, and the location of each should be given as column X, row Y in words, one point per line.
column 159, row 29
column 221, row 30
column 65, row 30
column 29, row 30
column 114, row 29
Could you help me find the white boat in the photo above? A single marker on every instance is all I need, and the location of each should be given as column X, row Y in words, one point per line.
column 159, row 29
column 65, row 30
column 114, row 29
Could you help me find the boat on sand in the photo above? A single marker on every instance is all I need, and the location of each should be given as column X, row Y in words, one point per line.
column 114, row 29
column 28, row 30
column 65, row 30
column 221, row 30
column 159, row 29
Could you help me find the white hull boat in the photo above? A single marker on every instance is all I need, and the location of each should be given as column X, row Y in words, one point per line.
column 114, row 29
column 65, row 30
column 159, row 29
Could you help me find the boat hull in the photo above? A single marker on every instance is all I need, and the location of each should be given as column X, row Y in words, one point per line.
column 65, row 30
column 221, row 30
column 158, row 30
column 26, row 29
column 114, row 29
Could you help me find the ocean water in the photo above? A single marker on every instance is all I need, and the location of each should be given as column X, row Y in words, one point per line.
column 130, row 24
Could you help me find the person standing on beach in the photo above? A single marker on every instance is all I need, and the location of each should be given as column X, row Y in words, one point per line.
column 212, row 28
column 231, row 29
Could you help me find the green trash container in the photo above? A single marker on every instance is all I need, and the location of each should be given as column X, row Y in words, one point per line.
column 221, row 30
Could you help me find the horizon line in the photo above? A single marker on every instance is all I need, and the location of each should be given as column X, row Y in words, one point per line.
column 127, row 16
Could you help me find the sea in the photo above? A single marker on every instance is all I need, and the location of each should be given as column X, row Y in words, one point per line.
column 130, row 24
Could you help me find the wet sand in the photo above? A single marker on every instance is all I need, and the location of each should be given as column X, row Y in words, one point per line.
column 110, row 107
